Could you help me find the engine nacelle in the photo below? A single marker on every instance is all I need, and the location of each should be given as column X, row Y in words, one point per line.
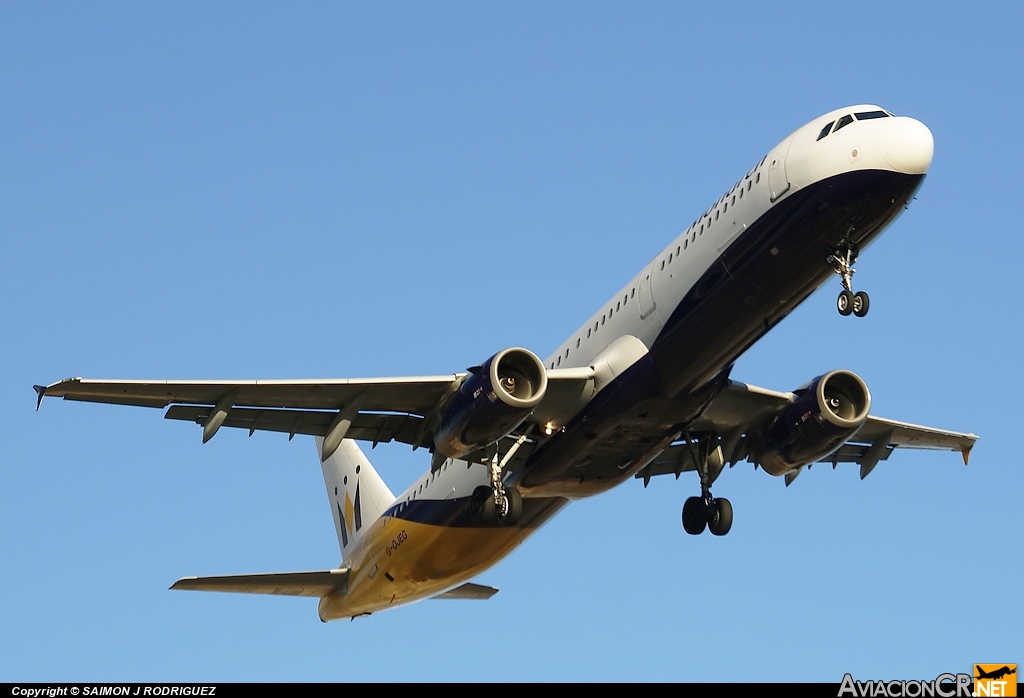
column 493, row 400
column 827, row 412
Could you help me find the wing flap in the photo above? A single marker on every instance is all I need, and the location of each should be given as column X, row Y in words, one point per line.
column 907, row 435
column 375, row 427
column 316, row 584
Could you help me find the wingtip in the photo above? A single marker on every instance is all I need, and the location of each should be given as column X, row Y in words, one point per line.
column 181, row 583
column 966, row 451
column 40, row 393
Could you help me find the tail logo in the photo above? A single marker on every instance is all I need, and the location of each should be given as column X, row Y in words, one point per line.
column 351, row 519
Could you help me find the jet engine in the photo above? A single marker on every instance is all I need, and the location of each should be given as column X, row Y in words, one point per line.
column 826, row 412
column 492, row 400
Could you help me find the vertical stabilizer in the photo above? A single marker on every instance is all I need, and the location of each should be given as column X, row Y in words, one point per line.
column 357, row 494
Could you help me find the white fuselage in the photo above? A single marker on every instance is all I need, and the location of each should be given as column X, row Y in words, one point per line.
column 420, row 541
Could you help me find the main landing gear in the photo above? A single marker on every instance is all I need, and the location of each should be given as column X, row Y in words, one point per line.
column 505, row 508
column 498, row 502
column 842, row 260
column 706, row 511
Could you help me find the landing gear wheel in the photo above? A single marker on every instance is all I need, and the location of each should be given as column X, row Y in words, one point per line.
column 860, row 304
column 695, row 515
column 482, row 505
column 845, row 302
column 720, row 517
column 513, row 509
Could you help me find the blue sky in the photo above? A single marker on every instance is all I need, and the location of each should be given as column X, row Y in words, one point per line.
column 245, row 190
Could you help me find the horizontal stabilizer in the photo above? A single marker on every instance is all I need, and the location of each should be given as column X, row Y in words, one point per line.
column 469, row 591
column 317, row 584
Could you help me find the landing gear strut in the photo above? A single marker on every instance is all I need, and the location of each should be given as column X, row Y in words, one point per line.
column 842, row 260
column 498, row 502
column 706, row 511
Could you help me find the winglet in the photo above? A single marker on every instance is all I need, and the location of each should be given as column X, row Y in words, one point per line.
column 41, row 391
column 966, row 450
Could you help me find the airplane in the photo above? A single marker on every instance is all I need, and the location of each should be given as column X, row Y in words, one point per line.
column 641, row 389
column 995, row 674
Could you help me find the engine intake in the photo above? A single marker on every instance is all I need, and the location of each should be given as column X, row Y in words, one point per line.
column 493, row 400
column 825, row 413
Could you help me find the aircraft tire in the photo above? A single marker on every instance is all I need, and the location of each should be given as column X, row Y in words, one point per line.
column 844, row 304
column 695, row 516
column 860, row 304
column 514, row 508
column 720, row 520
column 482, row 505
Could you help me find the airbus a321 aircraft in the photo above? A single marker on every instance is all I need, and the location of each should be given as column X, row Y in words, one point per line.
column 641, row 389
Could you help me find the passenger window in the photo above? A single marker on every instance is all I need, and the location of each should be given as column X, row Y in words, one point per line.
column 677, row 250
column 694, row 238
column 865, row 115
column 559, row 362
column 663, row 265
column 669, row 257
column 741, row 192
column 632, row 292
column 567, row 353
column 578, row 340
column 733, row 199
column 618, row 305
column 725, row 207
column 602, row 319
column 588, row 333
column 845, row 121
column 749, row 184
column 684, row 243
column 824, row 131
column 757, row 180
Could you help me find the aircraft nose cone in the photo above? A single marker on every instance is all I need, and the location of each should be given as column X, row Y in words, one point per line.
column 909, row 146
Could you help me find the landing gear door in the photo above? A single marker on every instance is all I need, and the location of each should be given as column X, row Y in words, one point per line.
column 778, row 180
column 646, row 293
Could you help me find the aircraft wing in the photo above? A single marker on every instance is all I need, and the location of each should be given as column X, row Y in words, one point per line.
column 378, row 409
column 415, row 394
column 740, row 411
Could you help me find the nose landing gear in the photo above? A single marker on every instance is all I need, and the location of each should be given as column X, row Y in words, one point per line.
column 842, row 260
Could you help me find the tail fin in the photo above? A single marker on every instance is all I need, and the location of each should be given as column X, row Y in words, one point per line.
column 357, row 494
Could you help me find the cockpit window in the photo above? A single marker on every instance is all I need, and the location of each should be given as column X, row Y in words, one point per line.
column 845, row 121
column 864, row 115
column 824, row 131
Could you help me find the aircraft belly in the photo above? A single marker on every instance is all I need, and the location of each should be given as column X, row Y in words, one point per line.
column 751, row 287
column 409, row 559
column 741, row 295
